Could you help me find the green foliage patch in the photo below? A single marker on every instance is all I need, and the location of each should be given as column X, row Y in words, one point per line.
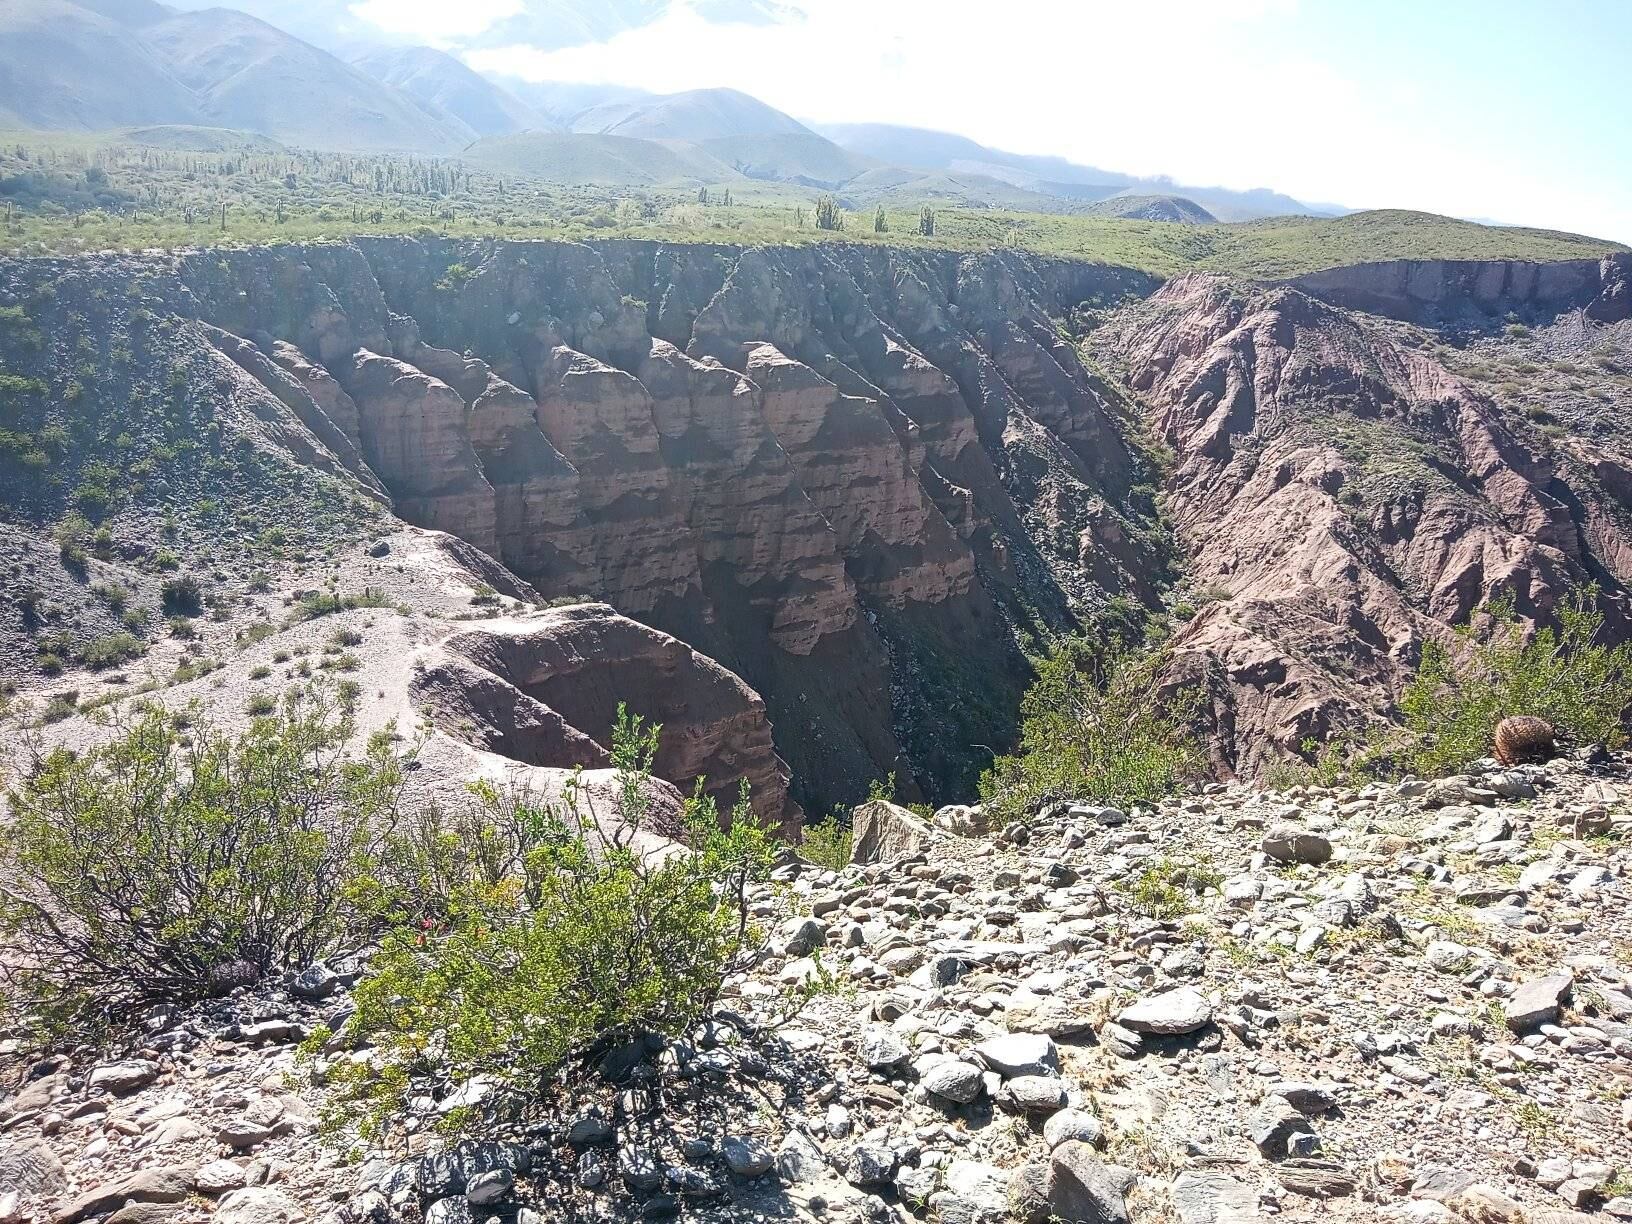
column 1096, row 725
column 540, row 933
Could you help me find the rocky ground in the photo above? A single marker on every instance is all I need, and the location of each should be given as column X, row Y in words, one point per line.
column 1402, row 1002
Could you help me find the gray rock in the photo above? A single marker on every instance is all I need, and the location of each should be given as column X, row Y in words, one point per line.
column 639, row 1169
column 123, row 1078
column 746, row 1157
column 1033, row 1094
column 915, row 1184
column 1289, row 845
column 882, row 832
column 271, row 1205
column 802, row 936
column 799, row 1159
column 491, row 1187
column 1537, row 1002
column 1073, row 1125
column 1084, row 1189
column 1014, row 1054
column 445, row 1174
column 315, row 982
column 30, row 1170
column 952, row 1079
column 975, row 1193
column 218, row 1177
column 1304, row 1097
column 870, row 1164
column 883, row 1049
column 1123, row 1042
column 1028, row 1194
column 1207, row 1196
column 450, row 1211
column 1172, row 1013
column 1273, row 1126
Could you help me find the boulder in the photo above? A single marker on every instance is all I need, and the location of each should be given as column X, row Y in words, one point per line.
column 1172, row 1013
column 1016, row 1054
column 1536, row 1002
column 1288, row 845
column 882, row 831
column 1084, row 1189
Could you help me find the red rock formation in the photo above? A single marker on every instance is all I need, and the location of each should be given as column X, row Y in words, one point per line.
column 1346, row 495
column 544, row 689
column 416, row 436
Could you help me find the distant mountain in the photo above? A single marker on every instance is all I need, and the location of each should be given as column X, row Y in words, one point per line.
column 698, row 114
column 790, row 157
column 1151, row 208
column 247, row 74
column 562, row 101
column 598, row 160
column 69, row 66
column 932, row 150
column 546, row 24
column 441, row 83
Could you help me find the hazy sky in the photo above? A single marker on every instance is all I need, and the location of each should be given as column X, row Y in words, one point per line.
column 1513, row 110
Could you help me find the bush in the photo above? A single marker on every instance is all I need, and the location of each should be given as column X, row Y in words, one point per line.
column 828, row 844
column 161, row 869
column 1565, row 675
column 530, row 935
column 181, row 596
column 330, row 601
column 111, row 650
column 1095, row 725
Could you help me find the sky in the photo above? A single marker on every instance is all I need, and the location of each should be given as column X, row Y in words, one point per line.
column 1516, row 111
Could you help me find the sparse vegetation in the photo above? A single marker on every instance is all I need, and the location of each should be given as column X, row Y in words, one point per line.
column 168, row 867
column 1569, row 676
column 542, row 931
column 828, row 843
column 1095, row 725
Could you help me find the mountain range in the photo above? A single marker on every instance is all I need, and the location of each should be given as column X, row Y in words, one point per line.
column 108, row 65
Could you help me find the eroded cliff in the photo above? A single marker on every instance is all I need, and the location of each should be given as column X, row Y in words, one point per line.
column 858, row 478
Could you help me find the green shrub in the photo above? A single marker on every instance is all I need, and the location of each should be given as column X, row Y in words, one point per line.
column 111, row 650
column 330, row 601
column 1165, row 887
column 181, row 596
column 1095, row 725
column 532, row 934
column 828, row 843
column 154, row 868
column 1565, row 675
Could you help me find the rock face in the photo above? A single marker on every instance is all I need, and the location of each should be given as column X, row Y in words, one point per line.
column 850, row 476
column 545, row 690
column 1345, row 498
column 882, row 831
column 1440, row 288
column 861, row 478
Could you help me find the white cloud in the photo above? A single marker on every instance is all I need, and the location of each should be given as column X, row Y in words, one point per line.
column 435, row 21
column 1209, row 92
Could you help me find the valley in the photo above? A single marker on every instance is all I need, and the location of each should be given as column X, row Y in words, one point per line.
column 579, row 647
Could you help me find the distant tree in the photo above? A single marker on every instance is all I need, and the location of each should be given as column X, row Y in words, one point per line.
column 827, row 214
column 727, row 200
column 702, row 195
column 880, row 224
column 926, row 222
column 799, row 218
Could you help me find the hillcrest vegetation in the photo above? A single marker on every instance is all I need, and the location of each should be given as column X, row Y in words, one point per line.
column 176, row 862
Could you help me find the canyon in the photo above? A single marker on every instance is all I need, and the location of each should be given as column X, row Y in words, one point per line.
column 828, row 499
